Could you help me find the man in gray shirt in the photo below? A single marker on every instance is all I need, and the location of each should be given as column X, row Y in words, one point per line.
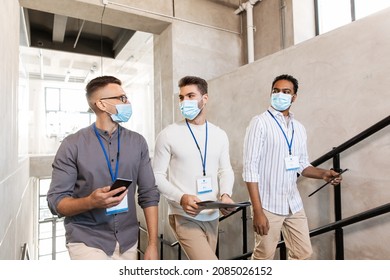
column 101, row 223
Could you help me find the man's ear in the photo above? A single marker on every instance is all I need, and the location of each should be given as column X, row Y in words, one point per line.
column 293, row 98
column 100, row 105
column 205, row 97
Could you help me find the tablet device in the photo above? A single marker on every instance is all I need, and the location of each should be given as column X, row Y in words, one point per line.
column 209, row 204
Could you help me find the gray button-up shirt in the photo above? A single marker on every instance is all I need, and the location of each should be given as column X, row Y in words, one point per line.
column 80, row 167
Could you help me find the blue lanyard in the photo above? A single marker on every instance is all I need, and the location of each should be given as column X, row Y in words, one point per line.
column 197, row 145
column 289, row 144
column 113, row 176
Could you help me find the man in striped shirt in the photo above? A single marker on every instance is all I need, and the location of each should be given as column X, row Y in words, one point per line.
column 274, row 152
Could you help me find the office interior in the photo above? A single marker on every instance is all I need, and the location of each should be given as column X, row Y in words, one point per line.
column 238, row 46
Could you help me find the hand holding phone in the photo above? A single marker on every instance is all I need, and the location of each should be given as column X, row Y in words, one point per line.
column 120, row 182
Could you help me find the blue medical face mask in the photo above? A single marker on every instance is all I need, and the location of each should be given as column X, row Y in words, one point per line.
column 124, row 112
column 189, row 109
column 281, row 101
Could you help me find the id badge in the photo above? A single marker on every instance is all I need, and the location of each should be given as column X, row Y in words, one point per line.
column 203, row 185
column 292, row 163
column 120, row 208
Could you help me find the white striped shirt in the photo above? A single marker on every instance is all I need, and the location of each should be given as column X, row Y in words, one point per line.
column 265, row 150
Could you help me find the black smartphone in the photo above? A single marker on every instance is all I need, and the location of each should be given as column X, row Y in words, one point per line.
column 120, row 182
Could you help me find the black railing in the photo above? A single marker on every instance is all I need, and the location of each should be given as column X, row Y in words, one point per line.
column 352, row 220
column 25, row 252
column 163, row 242
column 244, row 219
column 339, row 223
column 353, row 141
column 335, row 155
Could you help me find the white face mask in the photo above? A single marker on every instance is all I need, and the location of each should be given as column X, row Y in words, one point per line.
column 281, row 101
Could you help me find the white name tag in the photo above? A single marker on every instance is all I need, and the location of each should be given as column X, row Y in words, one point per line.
column 291, row 162
column 120, row 208
column 203, row 185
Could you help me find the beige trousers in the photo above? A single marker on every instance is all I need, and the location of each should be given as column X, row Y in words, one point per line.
column 197, row 238
column 295, row 232
column 80, row 251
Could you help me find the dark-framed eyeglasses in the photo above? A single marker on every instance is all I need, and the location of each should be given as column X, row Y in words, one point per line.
column 122, row 98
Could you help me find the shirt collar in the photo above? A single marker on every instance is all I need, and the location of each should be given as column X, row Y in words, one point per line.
column 279, row 114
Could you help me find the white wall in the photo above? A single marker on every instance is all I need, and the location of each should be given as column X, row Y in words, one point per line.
column 16, row 192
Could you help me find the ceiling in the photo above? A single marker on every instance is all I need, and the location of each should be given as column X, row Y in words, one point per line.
column 60, row 48
column 56, row 47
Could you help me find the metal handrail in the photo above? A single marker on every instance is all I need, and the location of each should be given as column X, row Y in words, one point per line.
column 353, row 141
column 383, row 209
column 162, row 242
column 176, row 243
column 25, row 252
column 380, row 210
column 340, row 223
column 334, row 153
column 244, row 227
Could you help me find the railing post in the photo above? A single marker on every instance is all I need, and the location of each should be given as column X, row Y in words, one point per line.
column 217, row 249
column 244, row 232
column 282, row 249
column 179, row 252
column 339, row 238
column 139, row 245
column 161, row 247
column 54, row 239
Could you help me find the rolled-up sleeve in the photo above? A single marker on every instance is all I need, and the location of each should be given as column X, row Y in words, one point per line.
column 148, row 194
column 225, row 171
column 64, row 176
column 252, row 151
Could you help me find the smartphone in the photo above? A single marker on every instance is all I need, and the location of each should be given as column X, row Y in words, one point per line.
column 120, row 182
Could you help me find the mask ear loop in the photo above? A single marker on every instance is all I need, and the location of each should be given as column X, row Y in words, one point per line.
column 111, row 105
column 100, row 105
column 293, row 98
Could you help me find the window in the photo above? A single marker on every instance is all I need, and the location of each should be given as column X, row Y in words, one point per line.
column 332, row 14
column 367, row 7
column 66, row 112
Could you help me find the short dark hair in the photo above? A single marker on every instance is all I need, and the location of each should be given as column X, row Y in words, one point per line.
column 100, row 82
column 288, row 78
column 192, row 80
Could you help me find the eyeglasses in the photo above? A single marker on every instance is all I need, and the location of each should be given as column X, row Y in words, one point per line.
column 122, row 98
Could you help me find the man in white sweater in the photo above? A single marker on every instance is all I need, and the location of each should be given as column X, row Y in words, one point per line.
column 196, row 153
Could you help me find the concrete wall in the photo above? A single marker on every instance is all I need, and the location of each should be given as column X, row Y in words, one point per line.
column 16, row 193
column 343, row 78
column 273, row 27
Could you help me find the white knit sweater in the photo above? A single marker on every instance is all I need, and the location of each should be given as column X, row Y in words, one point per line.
column 177, row 164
